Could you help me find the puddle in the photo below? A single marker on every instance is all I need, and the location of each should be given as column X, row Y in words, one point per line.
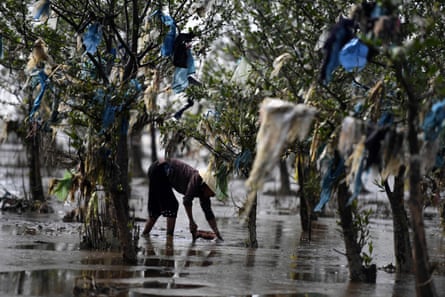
column 169, row 285
column 40, row 256
column 51, row 264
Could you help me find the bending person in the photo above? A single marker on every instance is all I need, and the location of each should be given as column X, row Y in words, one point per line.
column 166, row 175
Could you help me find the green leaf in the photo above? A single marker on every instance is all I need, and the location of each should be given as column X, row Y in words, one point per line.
column 63, row 186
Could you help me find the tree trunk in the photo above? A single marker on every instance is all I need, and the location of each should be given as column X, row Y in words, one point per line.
column 154, row 151
column 424, row 282
column 120, row 193
column 284, row 178
column 305, row 206
column 402, row 245
column 35, row 177
column 151, row 106
column 136, row 145
column 422, row 269
column 251, row 241
column 136, row 156
column 304, row 215
column 32, row 143
column 357, row 271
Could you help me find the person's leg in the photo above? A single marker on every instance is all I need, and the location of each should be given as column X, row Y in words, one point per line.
column 171, row 222
column 154, row 195
column 161, row 200
column 170, row 210
column 151, row 221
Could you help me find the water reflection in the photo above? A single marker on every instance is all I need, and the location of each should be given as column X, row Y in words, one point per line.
column 47, row 246
column 48, row 264
column 159, row 262
column 35, row 283
column 166, row 262
column 311, row 261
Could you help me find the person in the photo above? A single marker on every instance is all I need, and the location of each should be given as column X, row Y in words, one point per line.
column 166, row 175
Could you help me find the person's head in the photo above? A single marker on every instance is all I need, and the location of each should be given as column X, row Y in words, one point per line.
column 208, row 188
column 206, row 191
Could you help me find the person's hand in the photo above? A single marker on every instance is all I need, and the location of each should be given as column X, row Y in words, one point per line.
column 218, row 235
column 193, row 227
column 194, row 230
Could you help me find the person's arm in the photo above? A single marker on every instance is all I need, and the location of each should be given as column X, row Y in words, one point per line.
column 207, row 209
column 191, row 192
column 192, row 225
column 212, row 224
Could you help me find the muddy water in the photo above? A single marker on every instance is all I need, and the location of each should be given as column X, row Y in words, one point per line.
column 40, row 256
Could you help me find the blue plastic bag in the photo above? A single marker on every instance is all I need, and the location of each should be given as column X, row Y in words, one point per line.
column 354, row 55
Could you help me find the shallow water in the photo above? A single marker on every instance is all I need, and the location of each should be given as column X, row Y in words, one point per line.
column 39, row 256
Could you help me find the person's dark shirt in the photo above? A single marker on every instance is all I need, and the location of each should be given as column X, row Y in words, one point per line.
column 186, row 180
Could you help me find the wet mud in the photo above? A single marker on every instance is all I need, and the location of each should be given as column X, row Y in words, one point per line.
column 40, row 256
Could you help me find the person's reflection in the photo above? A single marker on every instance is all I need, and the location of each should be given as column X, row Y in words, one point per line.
column 169, row 248
column 166, row 262
column 169, row 251
column 159, row 262
column 204, row 255
column 149, row 249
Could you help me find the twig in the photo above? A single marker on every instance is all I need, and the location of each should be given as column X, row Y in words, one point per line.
column 337, row 251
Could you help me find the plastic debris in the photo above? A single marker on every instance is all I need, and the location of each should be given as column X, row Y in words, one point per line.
column 92, row 38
